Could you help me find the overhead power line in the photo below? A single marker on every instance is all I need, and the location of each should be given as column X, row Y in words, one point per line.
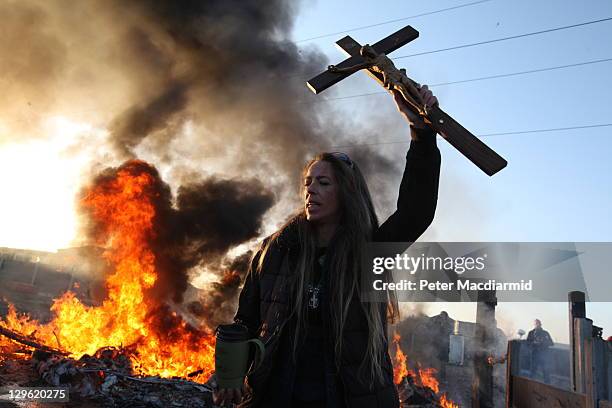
column 550, row 30
column 520, row 132
column 428, row 13
column 531, row 71
column 462, row 81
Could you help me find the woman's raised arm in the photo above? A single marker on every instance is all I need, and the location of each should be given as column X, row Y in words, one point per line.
column 418, row 192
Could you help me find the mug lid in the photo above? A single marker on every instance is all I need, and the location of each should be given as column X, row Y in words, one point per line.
column 232, row 331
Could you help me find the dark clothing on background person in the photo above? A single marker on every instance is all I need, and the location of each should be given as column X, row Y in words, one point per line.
column 265, row 303
column 540, row 341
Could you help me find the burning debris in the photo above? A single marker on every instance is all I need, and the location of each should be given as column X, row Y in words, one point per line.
column 413, row 395
column 102, row 380
column 417, row 387
column 107, row 377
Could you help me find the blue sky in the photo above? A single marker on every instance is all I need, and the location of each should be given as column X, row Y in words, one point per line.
column 557, row 184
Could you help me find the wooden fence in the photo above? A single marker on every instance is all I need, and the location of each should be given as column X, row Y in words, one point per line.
column 590, row 369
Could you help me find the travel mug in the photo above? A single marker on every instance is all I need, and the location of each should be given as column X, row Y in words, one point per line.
column 232, row 352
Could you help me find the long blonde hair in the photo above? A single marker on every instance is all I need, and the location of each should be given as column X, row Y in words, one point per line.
column 357, row 225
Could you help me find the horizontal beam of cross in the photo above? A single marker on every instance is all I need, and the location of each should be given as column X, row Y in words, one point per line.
column 389, row 44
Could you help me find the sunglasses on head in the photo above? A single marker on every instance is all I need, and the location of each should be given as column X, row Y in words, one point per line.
column 343, row 157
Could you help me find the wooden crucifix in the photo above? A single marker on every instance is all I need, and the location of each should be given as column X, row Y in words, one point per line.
column 380, row 67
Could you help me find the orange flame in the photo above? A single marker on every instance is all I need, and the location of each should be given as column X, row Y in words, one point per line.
column 425, row 377
column 447, row 403
column 400, row 370
column 124, row 208
column 15, row 322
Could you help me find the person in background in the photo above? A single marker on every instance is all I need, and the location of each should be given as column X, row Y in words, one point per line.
column 540, row 342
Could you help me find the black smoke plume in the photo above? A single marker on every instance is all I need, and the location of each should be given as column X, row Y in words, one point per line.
column 209, row 218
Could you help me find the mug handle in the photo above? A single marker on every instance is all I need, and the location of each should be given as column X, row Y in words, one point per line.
column 259, row 354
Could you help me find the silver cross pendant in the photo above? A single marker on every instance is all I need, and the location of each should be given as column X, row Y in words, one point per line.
column 313, row 297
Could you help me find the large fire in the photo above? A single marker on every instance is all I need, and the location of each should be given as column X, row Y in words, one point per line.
column 425, row 377
column 123, row 207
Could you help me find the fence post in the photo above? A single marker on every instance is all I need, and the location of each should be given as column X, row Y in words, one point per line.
column 513, row 367
column 589, row 371
column 484, row 336
column 577, row 310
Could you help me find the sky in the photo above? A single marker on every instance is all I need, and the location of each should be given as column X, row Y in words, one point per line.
column 557, row 185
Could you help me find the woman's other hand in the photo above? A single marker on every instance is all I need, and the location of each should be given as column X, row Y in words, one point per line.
column 225, row 396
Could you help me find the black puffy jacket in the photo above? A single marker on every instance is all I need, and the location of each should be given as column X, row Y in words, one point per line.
column 264, row 299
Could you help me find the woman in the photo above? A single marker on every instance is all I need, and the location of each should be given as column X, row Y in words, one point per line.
column 324, row 347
